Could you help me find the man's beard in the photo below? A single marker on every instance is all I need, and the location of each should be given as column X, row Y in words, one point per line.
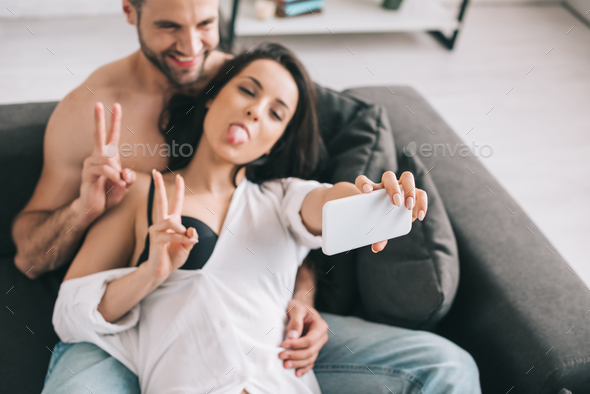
column 160, row 62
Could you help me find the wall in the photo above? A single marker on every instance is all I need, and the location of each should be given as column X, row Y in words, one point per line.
column 58, row 8
column 61, row 8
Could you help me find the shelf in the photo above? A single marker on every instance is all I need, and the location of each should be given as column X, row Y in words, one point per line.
column 350, row 16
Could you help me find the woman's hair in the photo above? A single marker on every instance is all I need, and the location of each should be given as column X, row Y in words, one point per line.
column 300, row 152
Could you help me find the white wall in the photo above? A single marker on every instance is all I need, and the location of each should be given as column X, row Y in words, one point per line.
column 57, row 8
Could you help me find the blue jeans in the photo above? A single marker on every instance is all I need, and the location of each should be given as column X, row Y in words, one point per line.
column 360, row 356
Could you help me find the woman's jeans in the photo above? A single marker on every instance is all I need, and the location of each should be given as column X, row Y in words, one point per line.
column 359, row 357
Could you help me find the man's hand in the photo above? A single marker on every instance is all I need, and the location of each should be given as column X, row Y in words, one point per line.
column 307, row 333
column 104, row 183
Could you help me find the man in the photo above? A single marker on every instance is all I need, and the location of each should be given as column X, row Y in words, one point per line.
column 177, row 52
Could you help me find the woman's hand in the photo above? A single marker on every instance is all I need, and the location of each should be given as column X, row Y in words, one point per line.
column 170, row 241
column 415, row 199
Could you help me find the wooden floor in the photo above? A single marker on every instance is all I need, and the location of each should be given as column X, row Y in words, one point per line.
column 519, row 79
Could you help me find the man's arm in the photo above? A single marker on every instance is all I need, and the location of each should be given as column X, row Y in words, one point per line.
column 305, row 283
column 48, row 231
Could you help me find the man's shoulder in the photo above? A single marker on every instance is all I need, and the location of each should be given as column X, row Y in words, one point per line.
column 102, row 85
column 111, row 75
column 105, row 83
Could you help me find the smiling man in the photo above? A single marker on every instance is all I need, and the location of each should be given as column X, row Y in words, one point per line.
column 178, row 55
column 178, row 41
column 79, row 183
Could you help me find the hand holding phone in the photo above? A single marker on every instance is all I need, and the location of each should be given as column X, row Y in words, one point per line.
column 371, row 218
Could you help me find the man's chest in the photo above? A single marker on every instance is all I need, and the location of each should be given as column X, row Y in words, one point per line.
column 141, row 144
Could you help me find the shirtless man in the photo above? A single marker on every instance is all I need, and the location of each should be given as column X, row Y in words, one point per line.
column 78, row 183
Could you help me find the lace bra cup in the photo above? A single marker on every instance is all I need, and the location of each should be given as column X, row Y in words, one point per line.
column 200, row 252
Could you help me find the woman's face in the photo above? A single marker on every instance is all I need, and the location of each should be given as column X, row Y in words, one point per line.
column 251, row 112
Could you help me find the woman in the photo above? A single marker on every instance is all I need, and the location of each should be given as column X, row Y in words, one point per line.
column 198, row 305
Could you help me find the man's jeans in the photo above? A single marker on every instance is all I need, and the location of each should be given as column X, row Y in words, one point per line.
column 359, row 357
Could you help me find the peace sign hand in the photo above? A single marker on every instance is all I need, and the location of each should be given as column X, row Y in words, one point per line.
column 170, row 241
column 104, row 183
column 416, row 200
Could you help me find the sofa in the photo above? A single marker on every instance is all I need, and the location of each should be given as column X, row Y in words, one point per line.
column 517, row 309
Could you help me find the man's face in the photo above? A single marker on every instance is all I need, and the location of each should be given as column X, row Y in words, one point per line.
column 178, row 35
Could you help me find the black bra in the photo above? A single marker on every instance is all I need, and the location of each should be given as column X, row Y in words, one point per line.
column 202, row 250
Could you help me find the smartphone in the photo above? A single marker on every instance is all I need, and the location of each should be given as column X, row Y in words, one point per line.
column 363, row 219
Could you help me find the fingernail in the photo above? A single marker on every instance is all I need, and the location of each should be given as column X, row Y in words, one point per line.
column 397, row 199
column 410, row 203
column 289, row 364
column 421, row 215
column 367, row 188
column 373, row 250
column 293, row 334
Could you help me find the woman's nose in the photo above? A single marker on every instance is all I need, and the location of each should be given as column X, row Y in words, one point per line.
column 255, row 116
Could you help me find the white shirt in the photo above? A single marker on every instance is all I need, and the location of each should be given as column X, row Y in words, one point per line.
column 217, row 329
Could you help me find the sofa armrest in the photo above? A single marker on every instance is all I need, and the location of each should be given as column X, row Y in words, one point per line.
column 520, row 310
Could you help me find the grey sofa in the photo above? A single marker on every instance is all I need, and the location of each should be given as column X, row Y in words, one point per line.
column 514, row 309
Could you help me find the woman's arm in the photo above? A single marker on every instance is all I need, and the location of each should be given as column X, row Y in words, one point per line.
column 311, row 209
column 109, row 244
column 124, row 293
column 416, row 199
column 170, row 244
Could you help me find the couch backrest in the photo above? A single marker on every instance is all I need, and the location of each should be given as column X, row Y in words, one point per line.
column 22, row 127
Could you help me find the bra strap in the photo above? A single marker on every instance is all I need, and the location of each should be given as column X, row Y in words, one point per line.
column 150, row 204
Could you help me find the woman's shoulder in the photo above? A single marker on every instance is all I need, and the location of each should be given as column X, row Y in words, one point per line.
column 137, row 193
column 141, row 186
column 143, row 180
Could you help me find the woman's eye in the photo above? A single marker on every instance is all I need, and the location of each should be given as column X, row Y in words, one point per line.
column 246, row 91
column 276, row 115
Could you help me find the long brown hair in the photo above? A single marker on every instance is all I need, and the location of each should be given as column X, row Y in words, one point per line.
column 300, row 152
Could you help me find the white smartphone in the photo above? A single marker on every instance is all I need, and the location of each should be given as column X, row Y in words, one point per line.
column 363, row 219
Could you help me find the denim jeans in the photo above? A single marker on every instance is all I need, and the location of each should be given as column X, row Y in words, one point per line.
column 360, row 356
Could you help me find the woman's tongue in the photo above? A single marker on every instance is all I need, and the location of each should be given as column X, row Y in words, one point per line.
column 236, row 134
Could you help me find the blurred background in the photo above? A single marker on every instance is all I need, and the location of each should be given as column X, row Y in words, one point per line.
column 517, row 77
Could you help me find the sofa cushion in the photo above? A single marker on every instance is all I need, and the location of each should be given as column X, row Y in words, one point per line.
column 413, row 281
